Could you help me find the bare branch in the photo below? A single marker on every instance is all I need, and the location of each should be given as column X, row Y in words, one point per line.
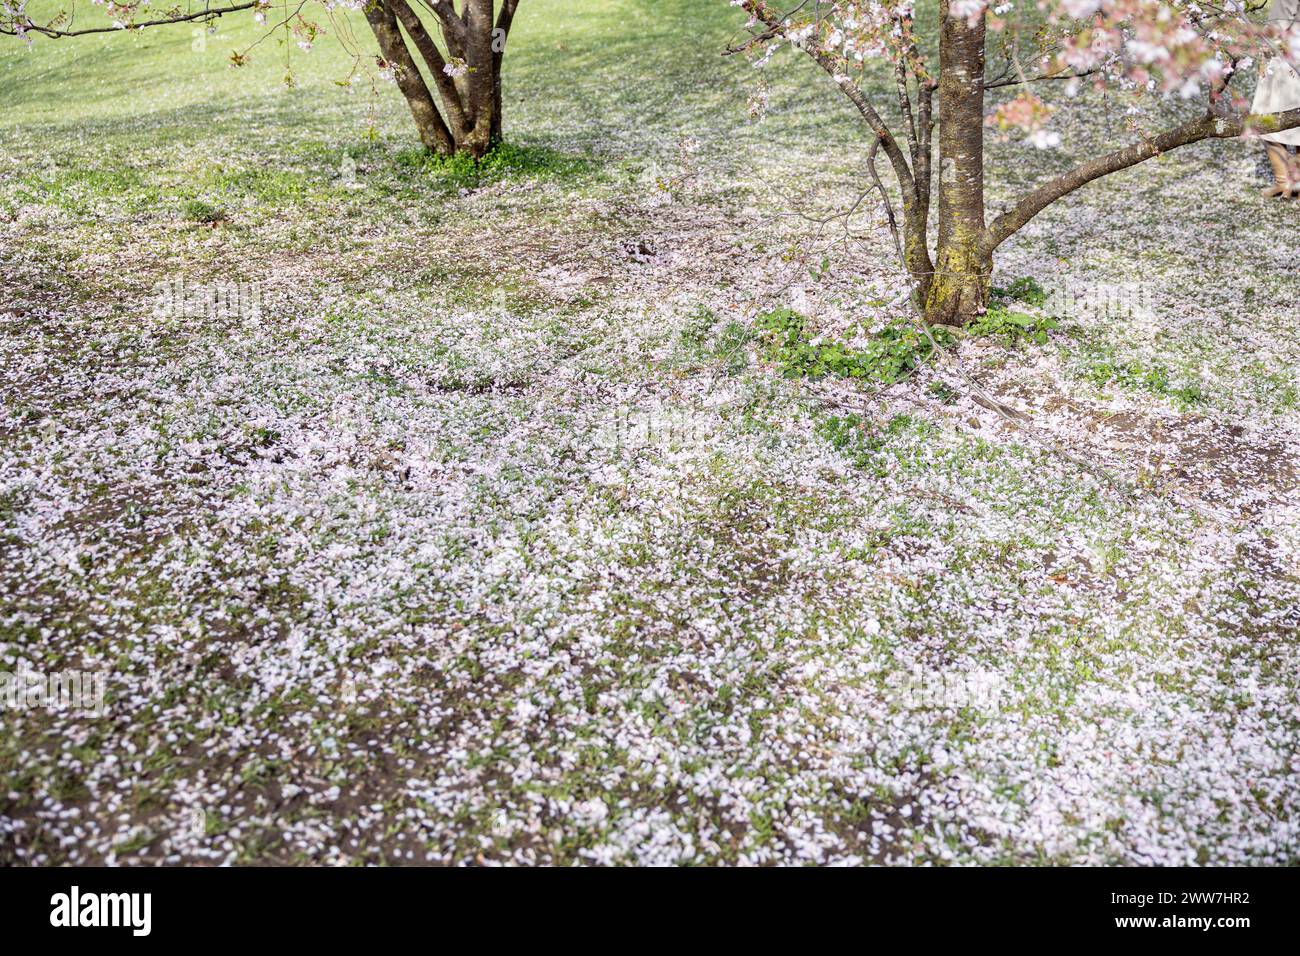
column 777, row 26
column 201, row 15
column 1022, row 81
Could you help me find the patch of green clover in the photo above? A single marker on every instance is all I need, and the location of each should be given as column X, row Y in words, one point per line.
column 1003, row 322
column 1012, row 327
column 861, row 441
column 702, row 340
column 204, row 213
column 1100, row 365
column 890, row 356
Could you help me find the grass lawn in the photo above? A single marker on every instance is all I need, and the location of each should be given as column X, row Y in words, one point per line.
column 506, row 526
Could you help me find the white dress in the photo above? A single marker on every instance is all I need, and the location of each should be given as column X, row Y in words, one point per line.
column 1279, row 87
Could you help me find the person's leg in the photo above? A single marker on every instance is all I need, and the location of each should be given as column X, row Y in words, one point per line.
column 1282, row 176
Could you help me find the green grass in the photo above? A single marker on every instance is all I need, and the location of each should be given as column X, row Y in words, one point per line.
column 1101, row 364
column 506, row 161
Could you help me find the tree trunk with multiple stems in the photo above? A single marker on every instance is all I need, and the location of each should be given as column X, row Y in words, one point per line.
column 456, row 106
column 462, row 111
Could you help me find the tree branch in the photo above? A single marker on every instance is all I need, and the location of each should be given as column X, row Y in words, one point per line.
column 202, row 15
column 1207, row 126
column 432, row 128
column 507, row 15
column 428, row 50
column 1018, row 81
column 905, row 108
column 777, row 27
column 925, row 120
column 450, row 23
column 446, row 12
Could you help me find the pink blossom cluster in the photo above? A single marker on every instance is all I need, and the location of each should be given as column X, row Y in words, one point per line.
column 1181, row 48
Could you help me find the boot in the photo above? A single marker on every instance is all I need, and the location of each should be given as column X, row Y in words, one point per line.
column 1282, row 179
column 1293, row 174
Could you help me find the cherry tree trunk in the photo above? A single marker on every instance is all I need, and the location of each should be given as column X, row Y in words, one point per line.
column 455, row 99
column 959, row 287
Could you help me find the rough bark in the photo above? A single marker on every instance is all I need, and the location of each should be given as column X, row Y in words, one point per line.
column 466, row 116
column 429, row 123
column 505, row 19
column 482, row 98
column 958, row 289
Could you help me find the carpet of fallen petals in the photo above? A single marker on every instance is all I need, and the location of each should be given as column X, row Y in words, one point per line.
column 492, row 536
